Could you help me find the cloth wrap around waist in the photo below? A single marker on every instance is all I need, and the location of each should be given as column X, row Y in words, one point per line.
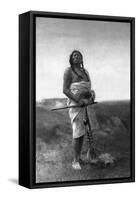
column 81, row 89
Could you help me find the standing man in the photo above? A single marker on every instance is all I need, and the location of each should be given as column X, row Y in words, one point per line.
column 77, row 87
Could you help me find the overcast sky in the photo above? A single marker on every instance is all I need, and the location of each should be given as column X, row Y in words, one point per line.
column 106, row 55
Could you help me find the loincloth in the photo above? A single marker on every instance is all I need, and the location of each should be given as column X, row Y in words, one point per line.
column 77, row 114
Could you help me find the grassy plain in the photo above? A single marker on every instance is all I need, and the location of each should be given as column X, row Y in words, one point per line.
column 54, row 142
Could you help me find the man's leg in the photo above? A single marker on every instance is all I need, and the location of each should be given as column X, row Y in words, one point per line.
column 76, row 149
column 81, row 143
column 77, row 146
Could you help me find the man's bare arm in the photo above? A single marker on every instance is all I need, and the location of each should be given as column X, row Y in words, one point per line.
column 66, row 85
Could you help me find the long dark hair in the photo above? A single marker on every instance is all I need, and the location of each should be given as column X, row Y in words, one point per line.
column 82, row 66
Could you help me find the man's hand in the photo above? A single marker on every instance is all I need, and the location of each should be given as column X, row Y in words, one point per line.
column 82, row 102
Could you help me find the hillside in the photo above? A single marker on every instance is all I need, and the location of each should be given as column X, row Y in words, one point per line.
column 54, row 142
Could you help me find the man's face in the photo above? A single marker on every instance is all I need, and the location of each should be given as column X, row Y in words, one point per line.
column 76, row 58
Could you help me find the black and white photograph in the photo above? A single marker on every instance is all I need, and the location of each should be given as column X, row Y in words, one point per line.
column 83, row 100
column 68, row 100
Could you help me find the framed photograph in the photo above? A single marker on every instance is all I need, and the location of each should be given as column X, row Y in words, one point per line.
column 76, row 99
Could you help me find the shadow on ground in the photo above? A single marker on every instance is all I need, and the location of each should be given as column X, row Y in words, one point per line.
column 13, row 180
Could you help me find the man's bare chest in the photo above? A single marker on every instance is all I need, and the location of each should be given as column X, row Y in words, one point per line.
column 79, row 75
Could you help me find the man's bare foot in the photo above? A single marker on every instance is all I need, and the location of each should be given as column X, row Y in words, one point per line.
column 76, row 165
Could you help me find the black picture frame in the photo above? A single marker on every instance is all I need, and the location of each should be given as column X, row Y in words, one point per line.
column 27, row 94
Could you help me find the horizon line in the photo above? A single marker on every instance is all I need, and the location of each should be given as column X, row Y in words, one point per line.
column 106, row 100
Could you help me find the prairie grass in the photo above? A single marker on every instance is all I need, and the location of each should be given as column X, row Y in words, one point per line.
column 54, row 142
